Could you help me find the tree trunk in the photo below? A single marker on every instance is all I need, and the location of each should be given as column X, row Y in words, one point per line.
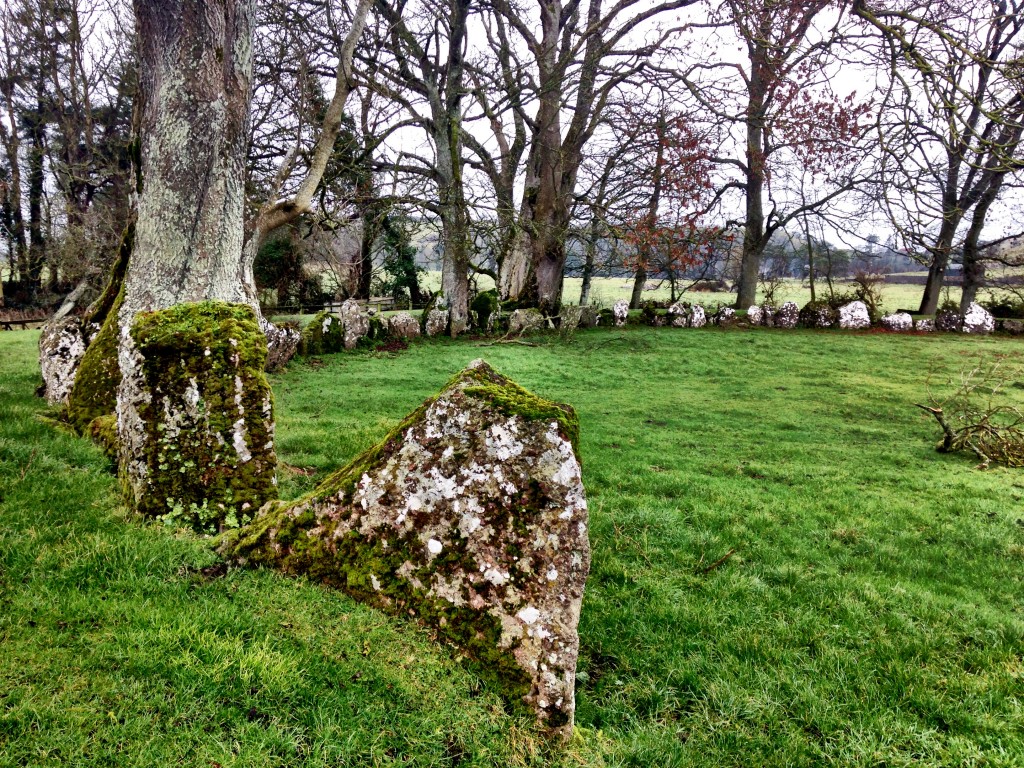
column 32, row 277
column 753, row 229
column 940, row 260
column 974, row 264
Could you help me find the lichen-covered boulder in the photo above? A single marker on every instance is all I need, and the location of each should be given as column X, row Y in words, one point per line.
column 818, row 314
column 698, row 318
column 854, row 316
column 471, row 517
column 571, row 315
column 787, row 316
column 900, row 322
column 620, row 312
column 62, row 346
column 924, row 325
column 436, row 322
column 754, row 314
column 525, row 321
column 725, row 316
column 356, row 323
column 1012, row 326
column 768, row 315
column 403, row 326
column 195, row 417
column 677, row 315
column 282, row 343
column 977, row 319
column 324, row 335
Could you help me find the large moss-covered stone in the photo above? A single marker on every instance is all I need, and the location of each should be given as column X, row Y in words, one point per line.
column 469, row 516
column 197, row 440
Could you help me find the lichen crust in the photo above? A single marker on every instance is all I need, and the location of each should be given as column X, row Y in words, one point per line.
column 471, row 517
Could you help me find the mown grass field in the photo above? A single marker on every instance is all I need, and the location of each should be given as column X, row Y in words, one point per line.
column 871, row 612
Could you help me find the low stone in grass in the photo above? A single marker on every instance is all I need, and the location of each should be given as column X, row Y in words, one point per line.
column 403, row 326
column 471, row 517
column 324, row 335
column 767, row 315
column 589, row 318
column 1011, row 326
column 754, row 314
column 356, row 323
column 924, row 325
column 725, row 316
column 571, row 314
column 197, row 441
column 948, row 321
column 854, row 316
column 899, row 322
column 620, row 312
column 978, row 320
column 677, row 315
column 525, row 321
column 787, row 316
column 818, row 314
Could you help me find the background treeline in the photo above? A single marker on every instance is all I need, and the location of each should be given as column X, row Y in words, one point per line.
column 707, row 143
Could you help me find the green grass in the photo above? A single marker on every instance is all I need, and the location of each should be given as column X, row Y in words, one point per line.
column 872, row 611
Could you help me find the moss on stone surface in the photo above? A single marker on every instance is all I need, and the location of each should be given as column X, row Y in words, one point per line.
column 323, row 335
column 209, row 451
column 103, row 431
column 333, row 537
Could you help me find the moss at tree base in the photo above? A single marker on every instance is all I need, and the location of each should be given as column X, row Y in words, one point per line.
column 207, row 451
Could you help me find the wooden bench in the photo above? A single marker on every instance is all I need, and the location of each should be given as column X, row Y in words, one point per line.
column 11, row 325
column 380, row 303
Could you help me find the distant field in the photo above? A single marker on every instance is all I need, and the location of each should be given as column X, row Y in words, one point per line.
column 785, row 573
column 605, row 291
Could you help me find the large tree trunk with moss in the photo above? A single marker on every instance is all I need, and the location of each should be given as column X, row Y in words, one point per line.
column 190, row 402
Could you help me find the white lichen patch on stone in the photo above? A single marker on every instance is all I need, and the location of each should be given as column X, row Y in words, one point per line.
column 620, row 311
column 62, row 346
column 484, row 513
column 854, row 315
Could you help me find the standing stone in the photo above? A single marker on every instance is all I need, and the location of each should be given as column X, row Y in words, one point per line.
column 677, row 315
column 977, row 319
column 436, row 322
column 924, row 325
column 697, row 318
column 948, row 320
column 197, row 444
column 62, row 346
column 788, row 316
column 900, row 321
column 620, row 311
column 1011, row 326
column 754, row 314
column 403, row 326
column 525, row 321
column 854, row 316
column 356, row 322
column 471, row 517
